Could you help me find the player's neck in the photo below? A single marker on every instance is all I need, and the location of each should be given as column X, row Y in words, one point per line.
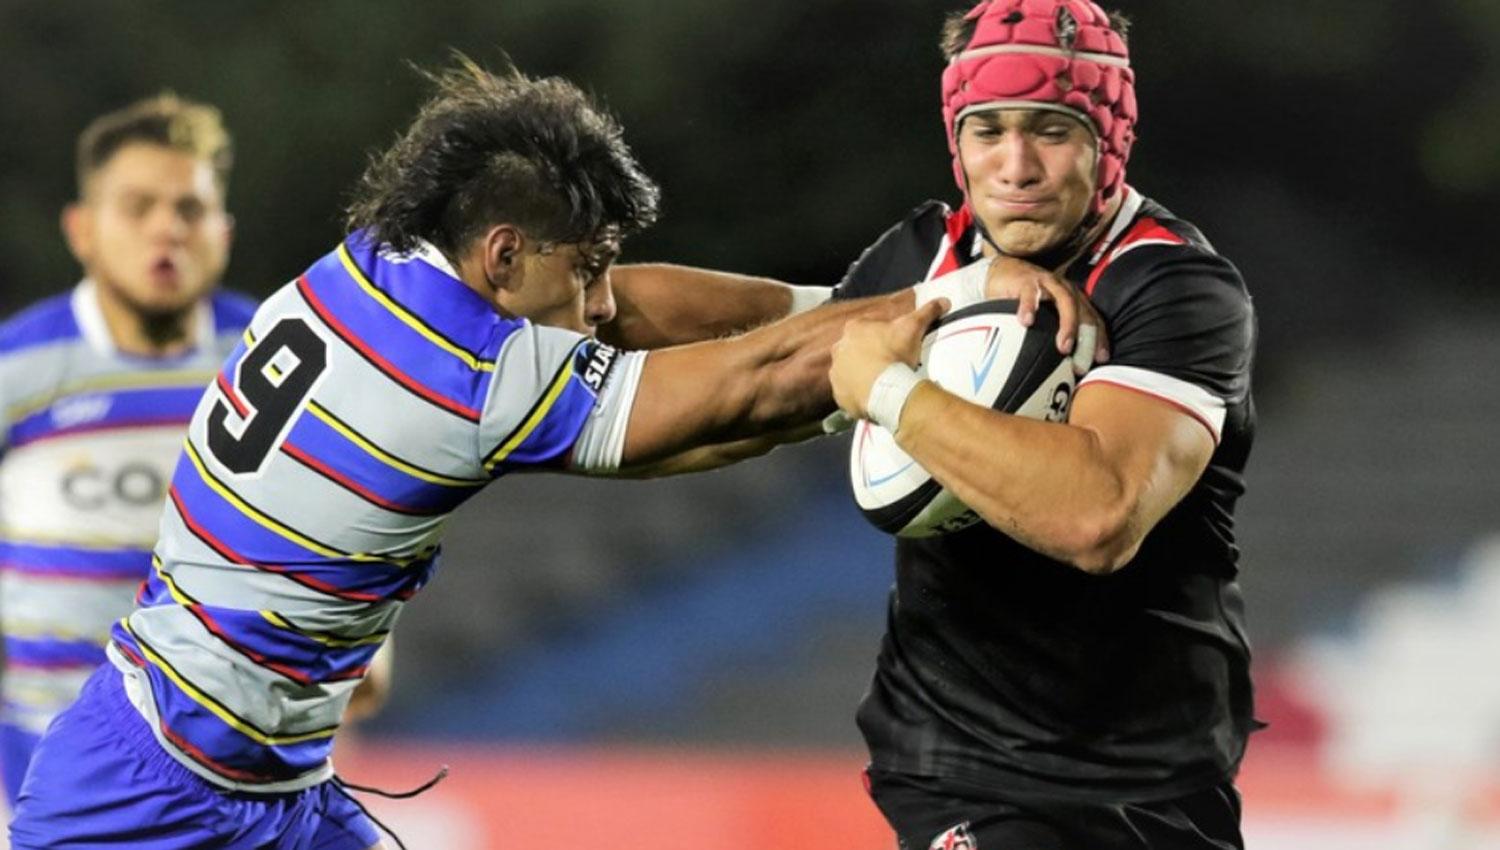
column 144, row 334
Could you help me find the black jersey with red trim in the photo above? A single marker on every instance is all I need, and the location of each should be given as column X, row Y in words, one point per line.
column 1011, row 673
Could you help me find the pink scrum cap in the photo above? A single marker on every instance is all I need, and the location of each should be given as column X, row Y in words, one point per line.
column 1047, row 54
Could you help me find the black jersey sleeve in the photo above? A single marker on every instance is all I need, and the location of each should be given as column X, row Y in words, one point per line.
column 900, row 257
column 1183, row 312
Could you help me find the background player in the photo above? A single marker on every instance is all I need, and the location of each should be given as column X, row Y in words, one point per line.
column 1074, row 672
column 96, row 387
column 440, row 346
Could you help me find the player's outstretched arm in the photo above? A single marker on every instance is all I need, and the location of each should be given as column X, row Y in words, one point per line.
column 704, row 458
column 771, row 379
column 660, row 304
column 693, row 407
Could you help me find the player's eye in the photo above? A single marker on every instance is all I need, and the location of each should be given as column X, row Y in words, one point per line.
column 136, row 206
column 191, row 210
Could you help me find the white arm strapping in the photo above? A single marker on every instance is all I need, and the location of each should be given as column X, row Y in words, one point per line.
column 601, row 444
column 889, row 393
column 962, row 288
column 805, row 298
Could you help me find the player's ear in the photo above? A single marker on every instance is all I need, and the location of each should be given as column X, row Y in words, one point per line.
column 78, row 228
column 501, row 254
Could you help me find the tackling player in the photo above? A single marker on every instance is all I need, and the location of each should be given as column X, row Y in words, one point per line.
column 1075, row 671
column 96, row 388
column 443, row 344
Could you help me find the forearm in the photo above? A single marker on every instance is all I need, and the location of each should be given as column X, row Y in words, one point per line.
column 658, row 304
column 723, row 454
column 1050, row 486
column 792, row 359
column 769, row 379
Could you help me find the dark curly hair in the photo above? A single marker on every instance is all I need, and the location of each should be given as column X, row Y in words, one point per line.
column 490, row 148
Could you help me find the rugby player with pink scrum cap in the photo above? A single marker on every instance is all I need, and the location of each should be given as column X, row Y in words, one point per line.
column 1074, row 671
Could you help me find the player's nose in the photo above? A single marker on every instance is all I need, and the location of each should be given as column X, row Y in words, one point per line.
column 599, row 305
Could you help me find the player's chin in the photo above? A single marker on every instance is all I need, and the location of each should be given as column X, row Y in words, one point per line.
column 164, row 305
column 1025, row 238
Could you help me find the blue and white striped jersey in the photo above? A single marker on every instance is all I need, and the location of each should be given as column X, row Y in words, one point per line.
column 367, row 400
column 90, row 436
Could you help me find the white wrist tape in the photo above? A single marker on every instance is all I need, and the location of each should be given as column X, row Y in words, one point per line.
column 962, row 288
column 805, row 298
column 889, row 393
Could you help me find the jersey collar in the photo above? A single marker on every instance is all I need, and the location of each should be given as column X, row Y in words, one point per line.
column 95, row 331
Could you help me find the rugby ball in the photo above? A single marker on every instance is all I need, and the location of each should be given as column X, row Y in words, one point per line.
column 983, row 354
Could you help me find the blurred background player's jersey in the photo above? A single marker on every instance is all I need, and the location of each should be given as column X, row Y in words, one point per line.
column 364, row 406
column 90, row 436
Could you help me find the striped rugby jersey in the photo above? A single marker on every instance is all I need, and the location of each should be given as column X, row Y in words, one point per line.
column 90, row 437
column 368, row 399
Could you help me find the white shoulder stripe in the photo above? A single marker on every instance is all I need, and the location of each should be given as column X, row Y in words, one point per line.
column 942, row 254
column 1193, row 399
column 1141, row 243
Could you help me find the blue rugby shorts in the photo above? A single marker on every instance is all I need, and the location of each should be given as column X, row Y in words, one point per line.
column 99, row 779
column 16, row 745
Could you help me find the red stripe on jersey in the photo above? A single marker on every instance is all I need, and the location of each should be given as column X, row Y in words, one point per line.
column 1145, row 228
column 385, row 366
column 202, row 758
column 348, row 483
column 956, row 225
column 232, row 396
column 219, row 632
column 130, row 654
column 98, row 427
column 234, row 557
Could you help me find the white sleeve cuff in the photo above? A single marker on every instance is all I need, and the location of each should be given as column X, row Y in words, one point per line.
column 1190, row 398
column 601, row 444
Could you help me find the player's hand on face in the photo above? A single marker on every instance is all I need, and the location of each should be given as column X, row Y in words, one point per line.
column 869, row 346
column 1030, row 285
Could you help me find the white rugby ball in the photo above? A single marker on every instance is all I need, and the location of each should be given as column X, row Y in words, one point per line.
column 983, row 354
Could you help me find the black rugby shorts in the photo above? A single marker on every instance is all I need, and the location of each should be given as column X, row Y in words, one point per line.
column 931, row 814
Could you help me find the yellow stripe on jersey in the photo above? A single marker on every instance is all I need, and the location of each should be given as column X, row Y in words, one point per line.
column 386, row 457
column 234, row 721
column 177, row 594
column 324, row 638
column 94, row 542
column 543, row 407
column 276, row 527
column 406, row 316
column 262, row 519
column 37, row 629
column 121, row 381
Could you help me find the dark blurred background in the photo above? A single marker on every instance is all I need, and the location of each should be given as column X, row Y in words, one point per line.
column 1343, row 153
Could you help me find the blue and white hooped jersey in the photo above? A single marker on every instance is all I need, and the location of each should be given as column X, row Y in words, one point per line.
column 368, row 399
column 89, row 438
